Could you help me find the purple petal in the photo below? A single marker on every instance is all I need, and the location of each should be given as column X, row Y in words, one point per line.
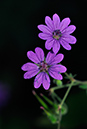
column 32, row 56
column 39, row 54
column 30, row 73
column 69, row 38
column 55, row 74
column 49, row 57
column 44, row 29
column 56, row 21
column 49, row 43
column 38, row 80
column 57, row 59
column 44, row 36
column 46, row 81
column 49, row 22
column 62, row 68
column 58, row 68
column 29, row 66
column 69, row 29
column 56, row 47
column 65, row 45
column 64, row 23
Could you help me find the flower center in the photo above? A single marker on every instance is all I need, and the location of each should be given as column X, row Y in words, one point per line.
column 43, row 66
column 57, row 34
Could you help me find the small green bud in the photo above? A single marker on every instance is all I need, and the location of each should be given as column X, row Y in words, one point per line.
column 59, row 82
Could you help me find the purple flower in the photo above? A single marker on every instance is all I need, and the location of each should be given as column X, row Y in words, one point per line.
column 57, row 33
column 43, row 67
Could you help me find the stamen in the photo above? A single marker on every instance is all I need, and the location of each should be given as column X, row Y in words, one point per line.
column 43, row 66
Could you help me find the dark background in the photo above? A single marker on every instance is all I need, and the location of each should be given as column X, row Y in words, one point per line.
column 18, row 34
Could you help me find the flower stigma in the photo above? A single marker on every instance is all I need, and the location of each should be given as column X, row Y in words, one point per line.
column 57, row 34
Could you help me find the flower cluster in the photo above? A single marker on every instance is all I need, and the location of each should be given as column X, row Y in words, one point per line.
column 56, row 33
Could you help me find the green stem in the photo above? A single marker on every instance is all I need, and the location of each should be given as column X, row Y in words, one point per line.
column 59, row 87
column 81, row 82
column 76, row 83
column 59, row 119
column 53, row 94
column 59, row 125
column 58, row 98
column 66, row 94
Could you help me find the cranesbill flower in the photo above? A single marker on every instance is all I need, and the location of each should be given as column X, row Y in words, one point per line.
column 57, row 33
column 43, row 67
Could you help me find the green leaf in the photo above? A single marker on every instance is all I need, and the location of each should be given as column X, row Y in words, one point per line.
column 83, row 86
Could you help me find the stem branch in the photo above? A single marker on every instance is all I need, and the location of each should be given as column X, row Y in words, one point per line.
column 71, row 78
column 66, row 94
column 76, row 83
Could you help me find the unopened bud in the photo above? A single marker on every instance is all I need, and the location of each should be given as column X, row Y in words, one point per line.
column 59, row 82
column 41, row 94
